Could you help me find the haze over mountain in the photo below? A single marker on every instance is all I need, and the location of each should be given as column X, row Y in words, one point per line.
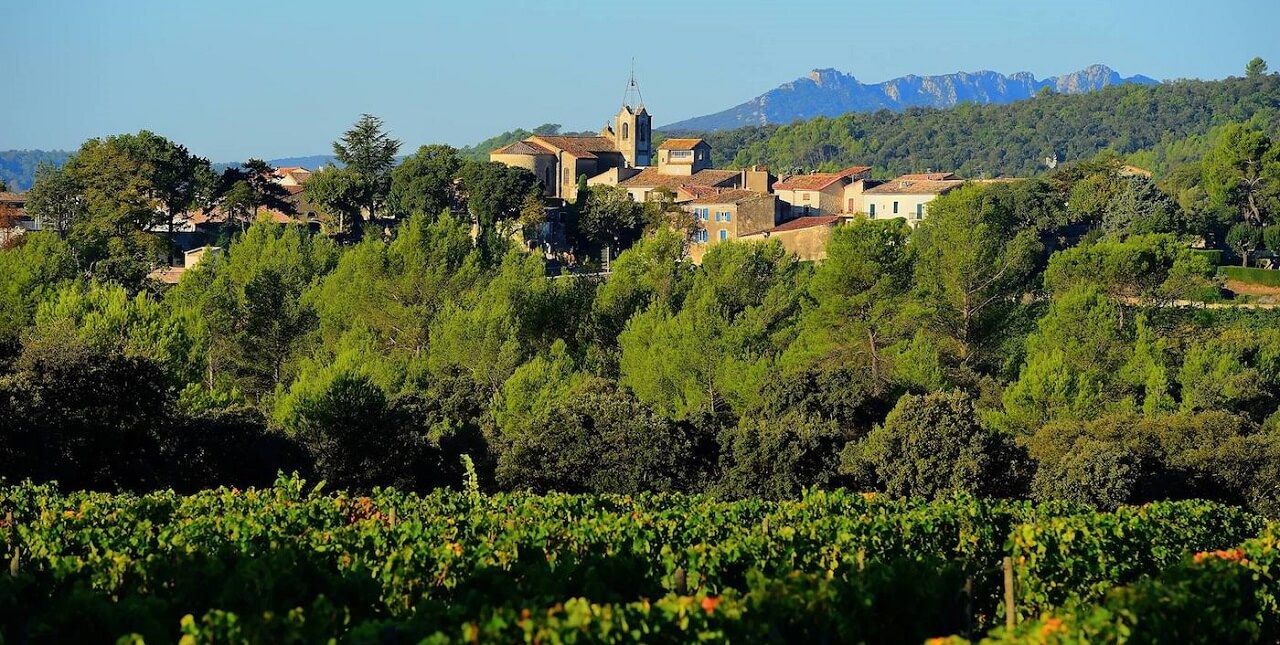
column 829, row 92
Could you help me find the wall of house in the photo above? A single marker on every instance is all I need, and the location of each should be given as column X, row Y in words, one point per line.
column 757, row 215
column 820, row 202
column 906, row 206
column 854, row 201
column 807, row 244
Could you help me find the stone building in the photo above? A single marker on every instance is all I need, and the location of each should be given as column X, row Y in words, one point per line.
column 729, row 215
column 908, row 196
column 820, row 193
column 624, row 143
column 804, row 237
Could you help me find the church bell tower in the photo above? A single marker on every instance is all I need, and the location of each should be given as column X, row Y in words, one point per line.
column 633, row 127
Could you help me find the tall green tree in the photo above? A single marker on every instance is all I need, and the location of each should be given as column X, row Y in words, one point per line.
column 1242, row 173
column 1255, row 68
column 55, row 200
column 424, row 181
column 607, row 216
column 859, row 300
column 370, row 153
column 1244, row 238
column 972, row 264
column 496, row 194
column 339, row 194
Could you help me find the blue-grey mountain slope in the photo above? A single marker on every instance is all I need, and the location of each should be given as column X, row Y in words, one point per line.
column 828, row 92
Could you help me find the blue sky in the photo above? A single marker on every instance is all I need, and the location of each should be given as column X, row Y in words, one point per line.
column 233, row 79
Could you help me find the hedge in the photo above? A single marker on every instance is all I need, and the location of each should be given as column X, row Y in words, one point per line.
column 1264, row 277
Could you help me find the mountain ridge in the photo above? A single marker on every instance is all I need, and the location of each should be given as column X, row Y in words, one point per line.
column 830, row 92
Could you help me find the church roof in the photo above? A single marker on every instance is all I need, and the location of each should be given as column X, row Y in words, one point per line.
column 522, row 148
column 580, row 147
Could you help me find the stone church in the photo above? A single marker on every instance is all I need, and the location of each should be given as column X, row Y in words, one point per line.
column 626, row 142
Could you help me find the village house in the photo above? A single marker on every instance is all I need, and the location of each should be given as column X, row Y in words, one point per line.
column 820, row 193
column 14, row 220
column 908, row 196
column 729, row 215
column 803, row 237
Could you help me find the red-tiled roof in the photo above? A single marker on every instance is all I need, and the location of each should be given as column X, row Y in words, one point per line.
column 13, row 198
column 523, row 148
column 802, row 223
column 680, row 144
column 581, row 147
column 818, row 180
column 651, row 178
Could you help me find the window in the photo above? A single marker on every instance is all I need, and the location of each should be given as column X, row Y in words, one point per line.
column 717, row 216
column 895, row 208
column 871, row 211
column 626, row 130
column 723, row 235
column 920, row 211
column 850, row 208
column 804, row 196
column 681, row 154
column 642, row 132
column 728, row 216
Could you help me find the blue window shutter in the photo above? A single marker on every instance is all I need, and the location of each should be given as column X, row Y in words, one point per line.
column 723, row 235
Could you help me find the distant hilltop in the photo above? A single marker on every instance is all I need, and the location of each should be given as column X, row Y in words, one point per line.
column 828, row 92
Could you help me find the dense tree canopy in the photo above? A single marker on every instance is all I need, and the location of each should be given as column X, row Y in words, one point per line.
column 1039, row 338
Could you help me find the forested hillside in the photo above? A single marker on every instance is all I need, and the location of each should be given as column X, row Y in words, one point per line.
column 1012, row 139
column 18, row 167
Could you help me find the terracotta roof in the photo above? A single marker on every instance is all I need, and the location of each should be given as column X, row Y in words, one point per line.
column 818, row 180
column 523, row 148
column 732, row 196
column 13, row 198
column 292, row 169
column 581, row 147
column 168, row 275
column 909, row 185
column 680, row 144
column 930, row 176
column 651, row 178
column 802, row 223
